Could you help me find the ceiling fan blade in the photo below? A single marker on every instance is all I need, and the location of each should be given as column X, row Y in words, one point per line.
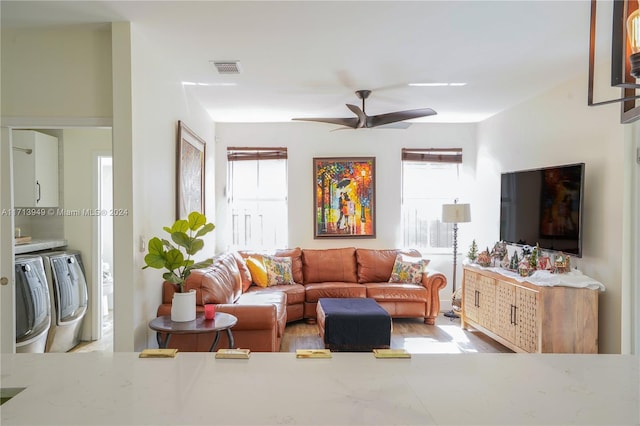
column 397, row 125
column 392, row 117
column 362, row 117
column 349, row 122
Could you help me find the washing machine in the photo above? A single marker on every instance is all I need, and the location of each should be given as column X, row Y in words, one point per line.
column 33, row 306
column 68, row 295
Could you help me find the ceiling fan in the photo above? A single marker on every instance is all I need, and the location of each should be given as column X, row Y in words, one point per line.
column 363, row 121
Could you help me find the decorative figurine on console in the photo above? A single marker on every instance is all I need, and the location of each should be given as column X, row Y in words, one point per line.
column 544, row 262
column 484, row 258
column 524, row 267
column 499, row 252
column 504, row 264
column 513, row 264
column 561, row 264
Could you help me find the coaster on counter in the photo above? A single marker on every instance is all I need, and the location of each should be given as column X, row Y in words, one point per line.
column 158, row 353
column 391, row 353
column 313, row 353
column 233, row 353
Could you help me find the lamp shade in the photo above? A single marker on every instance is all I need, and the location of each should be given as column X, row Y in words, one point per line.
column 456, row 213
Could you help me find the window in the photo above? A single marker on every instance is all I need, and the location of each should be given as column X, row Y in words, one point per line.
column 257, row 197
column 430, row 178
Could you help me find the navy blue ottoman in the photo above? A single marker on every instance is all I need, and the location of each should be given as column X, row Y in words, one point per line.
column 353, row 324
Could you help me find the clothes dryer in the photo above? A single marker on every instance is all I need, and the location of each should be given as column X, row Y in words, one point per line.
column 33, row 307
column 68, row 294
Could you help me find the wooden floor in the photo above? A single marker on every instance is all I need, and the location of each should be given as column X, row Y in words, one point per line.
column 412, row 334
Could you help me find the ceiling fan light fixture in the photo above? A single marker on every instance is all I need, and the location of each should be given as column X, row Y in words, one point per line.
column 364, row 121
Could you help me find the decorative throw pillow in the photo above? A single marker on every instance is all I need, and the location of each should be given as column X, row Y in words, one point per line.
column 407, row 269
column 258, row 272
column 278, row 270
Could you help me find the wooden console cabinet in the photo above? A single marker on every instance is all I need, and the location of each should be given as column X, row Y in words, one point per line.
column 529, row 318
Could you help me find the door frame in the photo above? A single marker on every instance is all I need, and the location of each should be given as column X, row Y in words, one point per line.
column 7, row 290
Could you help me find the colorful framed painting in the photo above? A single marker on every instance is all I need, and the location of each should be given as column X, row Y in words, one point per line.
column 190, row 172
column 344, row 197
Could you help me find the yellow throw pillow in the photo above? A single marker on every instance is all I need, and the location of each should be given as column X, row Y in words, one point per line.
column 258, row 272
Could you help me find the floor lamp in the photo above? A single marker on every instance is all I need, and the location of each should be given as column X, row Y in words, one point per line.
column 455, row 213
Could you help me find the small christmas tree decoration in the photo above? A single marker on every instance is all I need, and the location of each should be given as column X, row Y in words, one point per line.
column 472, row 255
column 533, row 258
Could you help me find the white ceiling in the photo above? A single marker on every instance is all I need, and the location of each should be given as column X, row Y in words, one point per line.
column 306, row 58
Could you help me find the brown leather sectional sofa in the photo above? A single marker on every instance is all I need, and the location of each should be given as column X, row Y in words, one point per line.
column 263, row 312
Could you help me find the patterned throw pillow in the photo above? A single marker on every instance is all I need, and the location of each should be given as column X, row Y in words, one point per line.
column 278, row 270
column 407, row 269
column 258, row 272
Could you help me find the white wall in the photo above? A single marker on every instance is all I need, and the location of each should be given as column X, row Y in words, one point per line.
column 57, row 72
column 559, row 128
column 159, row 101
column 308, row 140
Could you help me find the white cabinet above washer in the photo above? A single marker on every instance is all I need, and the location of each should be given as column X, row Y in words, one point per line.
column 35, row 169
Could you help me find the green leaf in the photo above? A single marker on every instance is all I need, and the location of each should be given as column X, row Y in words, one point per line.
column 174, row 260
column 181, row 239
column 206, row 229
column 155, row 246
column 196, row 220
column 180, row 225
column 195, row 246
column 172, row 278
column 154, row 261
column 205, row 263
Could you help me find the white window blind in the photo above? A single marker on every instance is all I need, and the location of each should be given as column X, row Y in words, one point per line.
column 257, row 197
column 430, row 178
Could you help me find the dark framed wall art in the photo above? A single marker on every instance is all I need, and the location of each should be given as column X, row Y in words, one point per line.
column 344, row 197
column 190, row 172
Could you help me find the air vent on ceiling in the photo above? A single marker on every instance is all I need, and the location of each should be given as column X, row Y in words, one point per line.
column 227, row 67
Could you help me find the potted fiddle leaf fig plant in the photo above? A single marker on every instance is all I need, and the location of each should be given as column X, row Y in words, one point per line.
column 175, row 257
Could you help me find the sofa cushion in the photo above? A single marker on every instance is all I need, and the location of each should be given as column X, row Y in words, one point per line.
column 218, row 283
column 315, row 291
column 390, row 292
column 278, row 270
column 258, row 272
column 329, row 265
column 245, row 274
column 295, row 292
column 407, row 269
column 376, row 265
column 276, row 298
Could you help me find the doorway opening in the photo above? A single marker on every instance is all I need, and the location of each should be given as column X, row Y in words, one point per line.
column 105, row 238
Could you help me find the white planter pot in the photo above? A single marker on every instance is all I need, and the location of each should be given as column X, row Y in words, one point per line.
column 183, row 306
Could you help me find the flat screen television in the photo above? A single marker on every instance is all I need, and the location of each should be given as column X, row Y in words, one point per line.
column 543, row 206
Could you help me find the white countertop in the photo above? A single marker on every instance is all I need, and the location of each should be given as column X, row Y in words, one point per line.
column 39, row 244
column 348, row 389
